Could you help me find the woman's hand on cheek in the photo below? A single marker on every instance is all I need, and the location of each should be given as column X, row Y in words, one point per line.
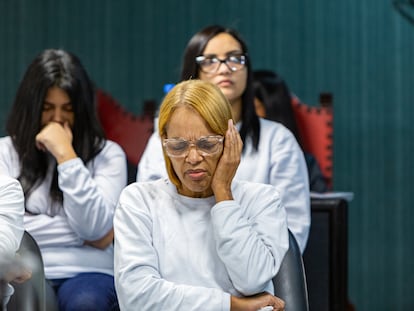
column 228, row 164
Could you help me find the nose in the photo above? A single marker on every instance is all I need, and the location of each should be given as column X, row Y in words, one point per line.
column 193, row 156
column 57, row 116
column 224, row 67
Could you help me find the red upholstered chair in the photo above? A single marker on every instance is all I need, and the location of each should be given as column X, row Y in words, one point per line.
column 129, row 131
column 315, row 125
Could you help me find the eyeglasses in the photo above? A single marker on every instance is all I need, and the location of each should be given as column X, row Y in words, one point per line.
column 179, row 147
column 210, row 64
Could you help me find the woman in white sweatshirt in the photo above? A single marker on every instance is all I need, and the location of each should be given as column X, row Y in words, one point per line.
column 199, row 239
column 71, row 177
column 271, row 154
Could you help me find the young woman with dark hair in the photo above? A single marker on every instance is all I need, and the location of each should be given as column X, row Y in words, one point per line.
column 71, row 177
column 244, row 94
column 271, row 154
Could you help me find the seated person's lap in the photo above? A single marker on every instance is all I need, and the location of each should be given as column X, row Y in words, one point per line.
column 86, row 291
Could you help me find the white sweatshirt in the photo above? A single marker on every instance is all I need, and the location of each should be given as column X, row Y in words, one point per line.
column 174, row 252
column 279, row 162
column 11, row 215
column 90, row 194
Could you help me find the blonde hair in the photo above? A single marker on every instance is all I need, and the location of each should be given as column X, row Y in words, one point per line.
column 201, row 96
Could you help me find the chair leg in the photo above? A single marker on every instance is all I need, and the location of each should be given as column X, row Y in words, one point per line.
column 24, row 298
column 51, row 303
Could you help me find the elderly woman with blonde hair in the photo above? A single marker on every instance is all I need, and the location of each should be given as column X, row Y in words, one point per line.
column 199, row 239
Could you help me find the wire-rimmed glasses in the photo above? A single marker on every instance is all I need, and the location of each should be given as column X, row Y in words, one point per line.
column 180, row 147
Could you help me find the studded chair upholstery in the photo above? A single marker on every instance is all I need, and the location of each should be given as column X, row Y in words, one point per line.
column 315, row 125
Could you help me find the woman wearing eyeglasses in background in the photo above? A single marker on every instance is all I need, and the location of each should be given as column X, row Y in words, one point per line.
column 198, row 240
column 271, row 153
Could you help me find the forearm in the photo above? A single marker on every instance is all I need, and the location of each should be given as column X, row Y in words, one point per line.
column 251, row 248
column 58, row 232
column 150, row 292
column 103, row 242
column 89, row 201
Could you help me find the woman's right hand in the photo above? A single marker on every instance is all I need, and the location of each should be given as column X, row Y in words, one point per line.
column 57, row 139
column 103, row 242
column 254, row 303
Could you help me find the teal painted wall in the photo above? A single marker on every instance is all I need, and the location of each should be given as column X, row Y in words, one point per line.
column 360, row 50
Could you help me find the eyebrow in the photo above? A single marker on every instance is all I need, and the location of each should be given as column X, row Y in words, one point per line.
column 227, row 54
column 50, row 103
column 203, row 136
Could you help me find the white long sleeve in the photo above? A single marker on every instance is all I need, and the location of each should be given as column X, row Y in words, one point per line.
column 279, row 162
column 151, row 166
column 11, row 215
column 58, row 232
column 178, row 253
column 90, row 194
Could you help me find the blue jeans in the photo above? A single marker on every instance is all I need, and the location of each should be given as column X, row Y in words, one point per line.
column 86, row 292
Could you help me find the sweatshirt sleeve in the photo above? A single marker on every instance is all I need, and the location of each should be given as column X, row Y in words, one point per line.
column 289, row 174
column 152, row 164
column 137, row 278
column 11, row 215
column 58, row 231
column 90, row 194
column 251, row 238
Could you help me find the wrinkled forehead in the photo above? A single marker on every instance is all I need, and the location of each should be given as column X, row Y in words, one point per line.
column 187, row 123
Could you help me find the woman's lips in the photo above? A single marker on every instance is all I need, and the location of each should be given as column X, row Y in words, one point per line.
column 196, row 174
column 225, row 83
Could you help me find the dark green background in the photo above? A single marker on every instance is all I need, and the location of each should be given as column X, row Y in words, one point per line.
column 360, row 50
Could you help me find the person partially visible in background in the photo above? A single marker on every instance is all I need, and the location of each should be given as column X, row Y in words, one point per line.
column 271, row 154
column 273, row 101
column 71, row 177
column 11, row 232
column 11, row 215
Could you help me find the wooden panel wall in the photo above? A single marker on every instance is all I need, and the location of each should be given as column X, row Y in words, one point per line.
column 361, row 51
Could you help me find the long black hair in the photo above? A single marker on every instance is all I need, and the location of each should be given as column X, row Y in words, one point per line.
column 276, row 97
column 49, row 69
column 190, row 70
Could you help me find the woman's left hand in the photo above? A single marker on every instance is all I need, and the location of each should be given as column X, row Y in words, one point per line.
column 228, row 164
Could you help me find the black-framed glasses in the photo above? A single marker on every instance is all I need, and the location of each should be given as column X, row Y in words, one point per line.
column 211, row 63
column 180, row 147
